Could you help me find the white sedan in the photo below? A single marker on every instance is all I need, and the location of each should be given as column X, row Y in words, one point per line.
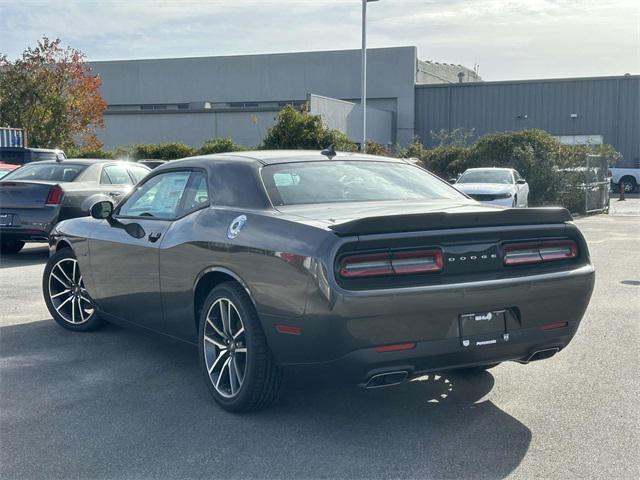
column 495, row 186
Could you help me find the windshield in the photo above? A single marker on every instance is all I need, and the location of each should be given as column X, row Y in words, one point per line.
column 56, row 172
column 4, row 172
column 351, row 181
column 486, row 176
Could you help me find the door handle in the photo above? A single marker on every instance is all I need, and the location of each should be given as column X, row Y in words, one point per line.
column 154, row 236
column 114, row 194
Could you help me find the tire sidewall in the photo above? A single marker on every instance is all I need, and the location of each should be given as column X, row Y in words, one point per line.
column 251, row 323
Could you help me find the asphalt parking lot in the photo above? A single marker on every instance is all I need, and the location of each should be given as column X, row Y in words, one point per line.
column 117, row 404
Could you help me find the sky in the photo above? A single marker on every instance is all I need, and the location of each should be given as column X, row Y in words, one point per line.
column 508, row 39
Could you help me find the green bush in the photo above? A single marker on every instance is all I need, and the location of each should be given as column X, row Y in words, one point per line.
column 219, row 145
column 445, row 161
column 374, row 148
column 537, row 155
column 75, row 152
column 161, row 151
column 297, row 129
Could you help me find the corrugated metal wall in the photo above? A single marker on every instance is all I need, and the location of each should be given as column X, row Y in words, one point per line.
column 607, row 106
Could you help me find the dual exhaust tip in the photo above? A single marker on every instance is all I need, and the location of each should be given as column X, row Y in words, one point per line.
column 389, row 379
column 541, row 354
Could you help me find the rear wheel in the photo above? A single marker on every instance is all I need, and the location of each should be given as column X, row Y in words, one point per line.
column 238, row 366
column 64, row 293
column 11, row 246
column 629, row 184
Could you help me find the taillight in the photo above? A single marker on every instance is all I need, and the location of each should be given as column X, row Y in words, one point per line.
column 55, row 195
column 391, row 263
column 538, row 252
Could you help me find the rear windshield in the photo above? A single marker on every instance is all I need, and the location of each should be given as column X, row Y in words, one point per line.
column 486, row 176
column 351, row 181
column 56, row 172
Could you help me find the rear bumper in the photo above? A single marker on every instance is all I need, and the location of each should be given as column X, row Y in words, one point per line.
column 25, row 234
column 343, row 333
column 30, row 224
column 438, row 355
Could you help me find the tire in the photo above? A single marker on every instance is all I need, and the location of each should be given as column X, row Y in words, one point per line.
column 237, row 364
column 477, row 369
column 11, row 246
column 65, row 296
column 630, row 185
column 515, row 202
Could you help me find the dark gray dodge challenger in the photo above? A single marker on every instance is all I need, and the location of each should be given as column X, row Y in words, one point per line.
column 366, row 265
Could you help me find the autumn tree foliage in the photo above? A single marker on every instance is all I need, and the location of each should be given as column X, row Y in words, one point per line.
column 51, row 92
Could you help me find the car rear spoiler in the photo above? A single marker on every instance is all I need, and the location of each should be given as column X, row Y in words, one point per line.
column 442, row 220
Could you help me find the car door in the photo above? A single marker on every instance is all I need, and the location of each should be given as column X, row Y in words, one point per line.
column 124, row 251
column 115, row 181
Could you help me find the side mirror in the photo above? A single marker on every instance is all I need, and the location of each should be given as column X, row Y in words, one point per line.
column 522, row 181
column 453, row 180
column 102, row 210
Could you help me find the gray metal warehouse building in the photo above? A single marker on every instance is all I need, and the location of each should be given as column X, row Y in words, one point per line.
column 192, row 100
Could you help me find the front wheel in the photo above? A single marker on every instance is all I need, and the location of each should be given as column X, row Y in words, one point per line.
column 238, row 366
column 64, row 293
column 11, row 246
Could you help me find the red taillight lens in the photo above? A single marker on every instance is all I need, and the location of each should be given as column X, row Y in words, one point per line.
column 55, row 195
column 538, row 252
column 396, row 263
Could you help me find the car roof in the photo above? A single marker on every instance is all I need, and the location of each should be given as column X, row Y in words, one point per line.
column 270, row 157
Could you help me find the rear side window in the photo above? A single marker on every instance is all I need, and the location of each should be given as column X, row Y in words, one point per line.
column 55, row 172
column 138, row 173
column 115, row 175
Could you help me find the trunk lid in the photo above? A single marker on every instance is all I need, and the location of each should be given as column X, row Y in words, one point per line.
column 18, row 194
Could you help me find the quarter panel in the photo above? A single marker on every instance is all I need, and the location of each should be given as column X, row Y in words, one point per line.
column 272, row 257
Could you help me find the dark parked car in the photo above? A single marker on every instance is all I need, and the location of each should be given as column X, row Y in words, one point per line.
column 22, row 155
column 366, row 265
column 35, row 197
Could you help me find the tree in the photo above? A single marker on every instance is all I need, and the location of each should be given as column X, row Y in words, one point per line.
column 298, row 129
column 50, row 92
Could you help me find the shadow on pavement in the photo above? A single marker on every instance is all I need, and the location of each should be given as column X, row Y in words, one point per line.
column 115, row 403
column 30, row 255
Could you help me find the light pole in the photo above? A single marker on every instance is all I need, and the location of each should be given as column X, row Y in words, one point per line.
column 363, row 147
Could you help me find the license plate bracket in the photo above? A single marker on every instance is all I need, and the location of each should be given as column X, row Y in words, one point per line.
column 6, row 219
column 483, row 328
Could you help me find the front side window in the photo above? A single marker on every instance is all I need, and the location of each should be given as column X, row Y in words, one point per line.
column 159, row 197
column 53, row 172
column 486, row 176
column 196, row 195
column 352, row 181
